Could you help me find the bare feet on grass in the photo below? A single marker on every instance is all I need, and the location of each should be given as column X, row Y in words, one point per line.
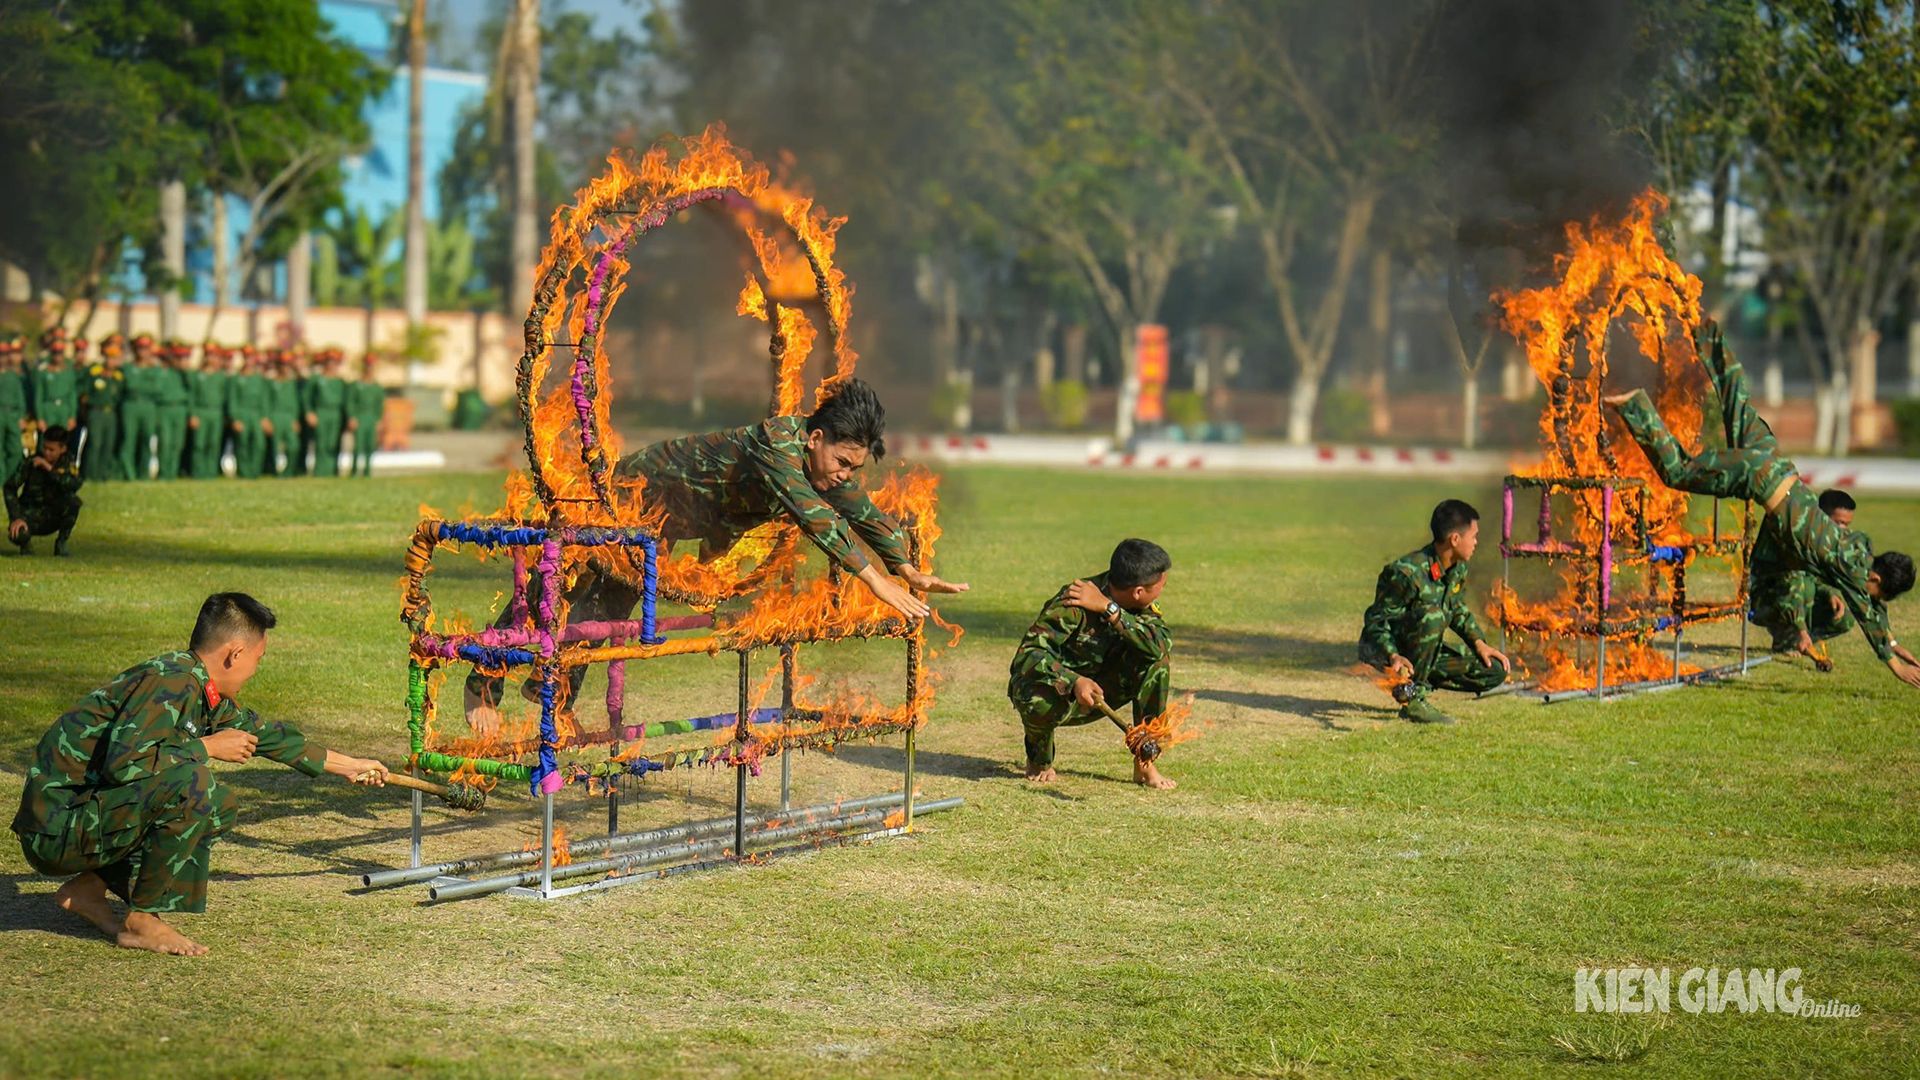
column 151, row 932
column 1144, row 773
column 86, row 896
column 1042, row 776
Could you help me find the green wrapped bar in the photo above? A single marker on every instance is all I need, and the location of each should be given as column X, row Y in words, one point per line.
column 417, row 706
column 444, row 763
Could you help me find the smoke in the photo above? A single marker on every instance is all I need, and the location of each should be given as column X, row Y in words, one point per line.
column 1530, row 92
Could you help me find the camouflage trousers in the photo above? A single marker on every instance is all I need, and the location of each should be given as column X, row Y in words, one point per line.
column 57, row 519
column 12, row 451
column 1043, row 710
column 1794, row 600
column 1735, row 473
column 1440, row 665
column 151, row 842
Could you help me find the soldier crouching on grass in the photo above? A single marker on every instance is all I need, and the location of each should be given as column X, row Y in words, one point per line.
column 42, row 495
column 1417, row 599
column 1099, row 641
column 119, row 792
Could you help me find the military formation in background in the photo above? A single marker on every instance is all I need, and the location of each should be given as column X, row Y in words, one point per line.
column 143, row 410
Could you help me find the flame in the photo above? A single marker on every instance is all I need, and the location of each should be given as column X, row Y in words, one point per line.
column 1612, row 275
column 561, row 857
column 894, row 820
column 1169, row 729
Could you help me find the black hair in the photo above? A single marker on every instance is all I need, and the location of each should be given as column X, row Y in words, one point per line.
column 1137, row 562
column 228, row 615
column 1835, row 499
column 1896, row 573
column 1451, row 517
column 853, row 415
column 56, row 434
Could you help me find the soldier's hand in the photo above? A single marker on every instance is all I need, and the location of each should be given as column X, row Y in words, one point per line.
column 886, row 591
column 193, row 422
column 353, row 423
column 1401, row 666
column 312, row 420
column 1488, row 655
column 928, row 583
column 369, row 772
column 1839, row 605
column 1907, row 673
column 16, row 529
column 41, row 463
column 230, row 745
column 1087, row 692
column 1087, row 596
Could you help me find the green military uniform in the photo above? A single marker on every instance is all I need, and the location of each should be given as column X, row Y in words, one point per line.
column 283, row 408
column 48, row 500
column 1788, row 601
column 120, row 785
column 366, row 403
column 1127, row 655
column 1415, row 603
column 247, row 407
column 139, row 419
column 172, row 399
column 13, row 410
column 55, row 392
column 207, row 388
column 325, row 396
column 715, row 488
column 103, row 386
column 1752, row 467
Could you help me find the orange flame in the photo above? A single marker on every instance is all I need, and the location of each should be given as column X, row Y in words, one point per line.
column 561, row 857
column 1169, row 729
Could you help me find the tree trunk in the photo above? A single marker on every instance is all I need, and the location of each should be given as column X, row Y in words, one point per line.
column 222, row 255
column 1073, row 352
column 1300, row 406
column 414, row 299
column 1043, row 358
column 1913, row 358
column 1773, row 380
column 299, row 284
column 1714, row 283
column 1865, row 376
column 1470, row 411
column 523, row 85
column 1380, row 328
column 173, row 253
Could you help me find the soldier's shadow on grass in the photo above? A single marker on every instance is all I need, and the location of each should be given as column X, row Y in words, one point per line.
column 930, row 762
column 29, row 912
column 1241, row 648
column 1330, row 713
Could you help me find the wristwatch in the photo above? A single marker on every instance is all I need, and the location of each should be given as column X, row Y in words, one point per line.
column 1113, row 609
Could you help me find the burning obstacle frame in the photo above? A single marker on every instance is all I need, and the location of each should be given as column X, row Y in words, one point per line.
column 1615, row 276
column 570, row 513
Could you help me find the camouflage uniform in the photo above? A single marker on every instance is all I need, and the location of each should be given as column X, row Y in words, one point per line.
column 1752, row 467
column 13, row 409
column 120, row 785
column 103, row 386
column 48, row 500
column 714, row 488
column 1788, row 601
column 1415, row 603
column 1127, row 656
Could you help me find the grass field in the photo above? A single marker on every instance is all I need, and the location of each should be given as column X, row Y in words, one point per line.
column 1329, row 892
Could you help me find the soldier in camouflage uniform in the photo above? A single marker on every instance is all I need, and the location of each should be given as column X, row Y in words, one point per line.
column 1791, row 604
column 1753, row 468
column 119, row 793
column 101, row 387
column 206, row 422
column 366, row 404
column 1417, row 599
column 43, row 494
column 140, row 410
column 1099, row 641
column 54, row 386
column 715, row 488
column 13, row 405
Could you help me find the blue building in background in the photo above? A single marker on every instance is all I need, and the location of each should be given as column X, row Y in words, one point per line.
column 376, row 178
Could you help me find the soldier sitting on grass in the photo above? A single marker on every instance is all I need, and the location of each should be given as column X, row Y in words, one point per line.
column 42, row 495
column 1417, row 599
column 1099, row 641
column 119, row 793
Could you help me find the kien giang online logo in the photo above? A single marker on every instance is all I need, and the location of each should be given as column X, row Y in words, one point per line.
column 1700, row 990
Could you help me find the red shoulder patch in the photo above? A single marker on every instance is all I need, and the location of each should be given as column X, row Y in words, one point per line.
column 1433, row 571
column 213, row 695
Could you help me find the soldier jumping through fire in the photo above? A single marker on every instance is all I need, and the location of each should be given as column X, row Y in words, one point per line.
column 714, row 488
column 1099, row 642
column 1417, row 599
column 1752, row 467
column 1791, row 603
column 119, row 794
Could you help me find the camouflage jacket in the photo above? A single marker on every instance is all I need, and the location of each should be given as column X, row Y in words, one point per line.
column 54, row 392
column 716, row 487
column 1835, row 556
column 1775, row 585
column 32, row 489
column 103, row 386
column 1067, row 642
column 150, row 716
column 1415, row 601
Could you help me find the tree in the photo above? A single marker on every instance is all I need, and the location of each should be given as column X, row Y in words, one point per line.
column 518, row 71
column 414, row 291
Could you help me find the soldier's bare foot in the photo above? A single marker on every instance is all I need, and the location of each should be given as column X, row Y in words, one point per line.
column 150, row 932
column 1145, row 773
column 1617, row 400
column 1042, row 776
column 86, row 896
